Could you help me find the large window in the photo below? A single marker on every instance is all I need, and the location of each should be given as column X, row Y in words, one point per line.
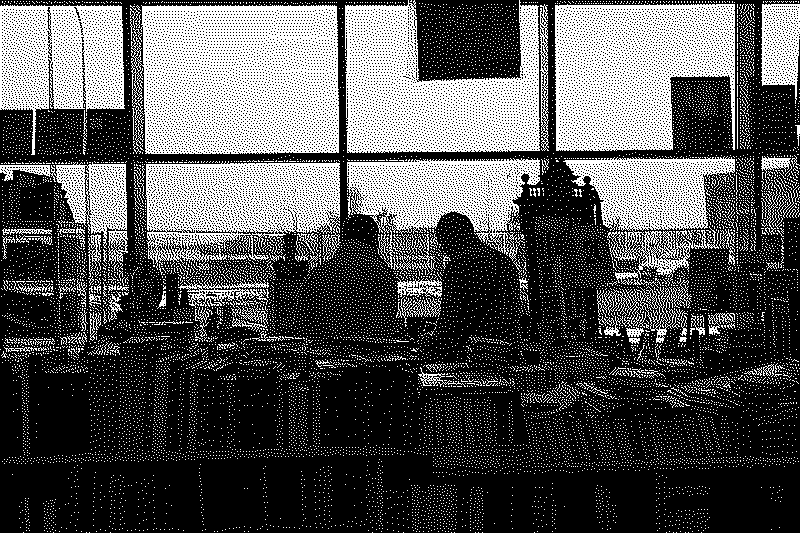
column 240, row 79
column 265, row 79
column 265, row 83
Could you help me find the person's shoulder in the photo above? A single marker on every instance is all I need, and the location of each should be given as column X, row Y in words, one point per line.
column 496, row 254
column 319, row 272
column 506, row 263
column 383, row 269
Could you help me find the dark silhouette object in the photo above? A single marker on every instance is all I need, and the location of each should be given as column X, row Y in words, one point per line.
column 791, row 242
column 783, row 327
column 59, row 131
column 172, row 291
column 212, row 327
column 16, row 132
column 352, row 294
column 148, row 285
column 288, row 267
column 107, row 132
column 568, row 254
column 289, row 276
column 480, row 292
column 797, row 104
column 626, row 345
column 701, row 114
column 33, row 315
column 33, row 197
column 467, row 41
column 707, row 268
column 35, row 260
column 772, row 248
column 227, row 317
column 184, row 298
column 594, row 214
column 776, row 116
column 671, row 344
column 237, row 334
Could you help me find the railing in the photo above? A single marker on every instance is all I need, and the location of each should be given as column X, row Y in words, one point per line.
column 245, row 257
column 241, row 261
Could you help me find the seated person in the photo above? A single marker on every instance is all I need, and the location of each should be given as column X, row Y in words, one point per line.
column 480, row 293
column 352, row 294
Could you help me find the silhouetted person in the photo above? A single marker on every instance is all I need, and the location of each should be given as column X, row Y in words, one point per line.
column 352, row 294
column 480, row 292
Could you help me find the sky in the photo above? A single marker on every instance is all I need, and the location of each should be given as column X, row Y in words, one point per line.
column 263, row 79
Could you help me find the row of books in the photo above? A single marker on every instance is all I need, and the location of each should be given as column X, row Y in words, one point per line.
column 570, row 437
column 467, row 422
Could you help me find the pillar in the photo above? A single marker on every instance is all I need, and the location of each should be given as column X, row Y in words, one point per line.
column 547, row 83
column 747, row 175
column 135, row 180
column 746, row 86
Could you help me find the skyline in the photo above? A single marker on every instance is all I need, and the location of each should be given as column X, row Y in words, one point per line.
column 417, row 192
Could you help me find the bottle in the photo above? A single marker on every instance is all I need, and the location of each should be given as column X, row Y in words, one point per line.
column 184, row 298
column 148, row 285
column 172, row 291
column 227, row 317
column 626, row 345
column 212, row 326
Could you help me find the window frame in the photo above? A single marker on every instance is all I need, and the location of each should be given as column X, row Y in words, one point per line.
column 343, row 156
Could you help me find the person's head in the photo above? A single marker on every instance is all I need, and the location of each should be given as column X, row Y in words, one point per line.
column 360, row 228
column 454, row 232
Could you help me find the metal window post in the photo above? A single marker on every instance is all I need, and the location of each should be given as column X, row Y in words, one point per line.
column 135, row 171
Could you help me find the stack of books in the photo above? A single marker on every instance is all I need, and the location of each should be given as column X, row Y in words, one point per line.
column 554, row 427
column 466, row 410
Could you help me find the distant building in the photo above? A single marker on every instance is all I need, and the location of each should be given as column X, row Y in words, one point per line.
column 780, row 198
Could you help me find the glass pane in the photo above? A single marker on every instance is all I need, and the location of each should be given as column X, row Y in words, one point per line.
column 779, row 193
column 656, row 210
column 24, row 58
column 242, row 197
column 640, row 193
column 106, row 190
column 387, row 111
column 652, row 194
column 781, row 35
column 240, row 79
column 418, row 193
column 614, row 64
